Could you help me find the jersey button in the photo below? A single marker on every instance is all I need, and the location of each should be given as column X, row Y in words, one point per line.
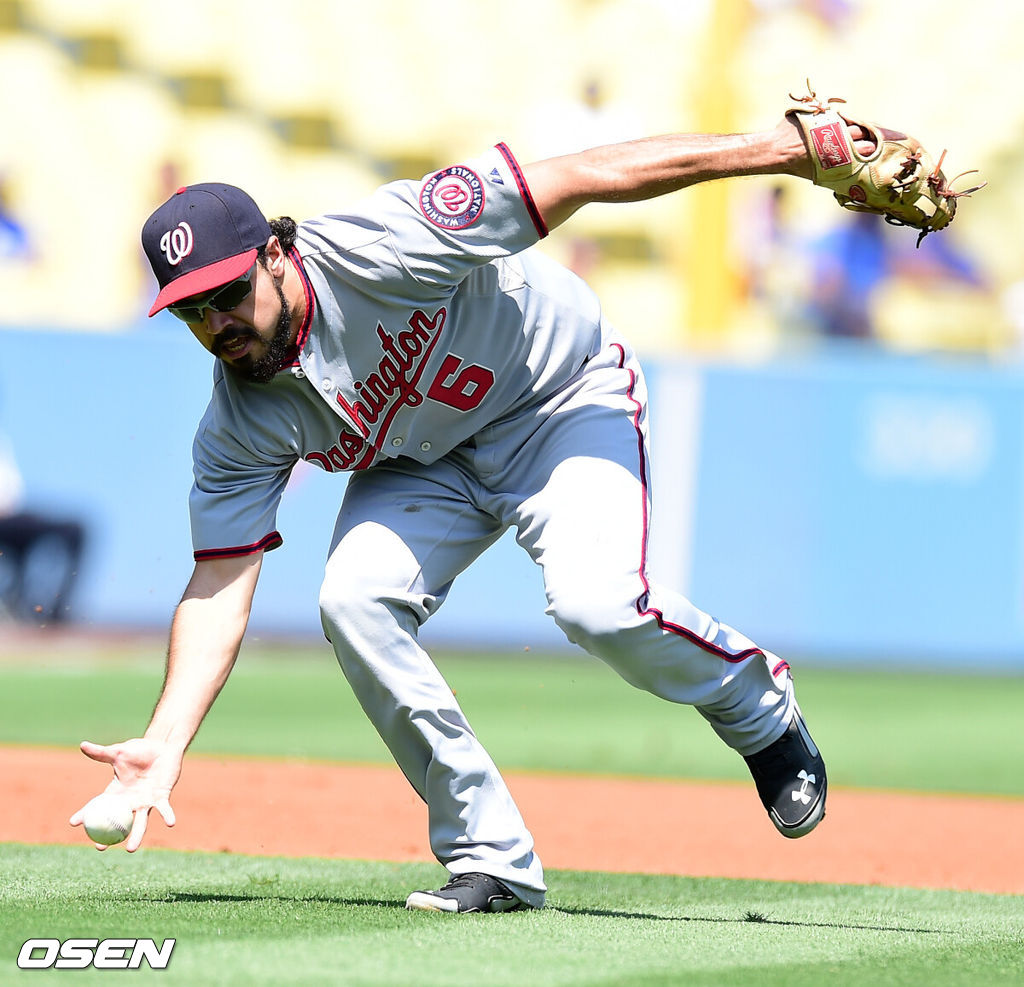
column 424, row 447
column 327, row 383
column 397, row 440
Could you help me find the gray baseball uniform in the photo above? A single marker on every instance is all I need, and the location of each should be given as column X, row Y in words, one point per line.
column 469, row 384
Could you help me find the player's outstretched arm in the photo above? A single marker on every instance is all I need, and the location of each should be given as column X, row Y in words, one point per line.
column 654, row 166
column 206, row 634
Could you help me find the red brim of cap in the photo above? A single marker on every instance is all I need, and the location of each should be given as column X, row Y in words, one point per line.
column 204, row 279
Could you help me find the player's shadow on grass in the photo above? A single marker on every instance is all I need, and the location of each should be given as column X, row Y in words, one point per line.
column 176, row 897
column 749, row 918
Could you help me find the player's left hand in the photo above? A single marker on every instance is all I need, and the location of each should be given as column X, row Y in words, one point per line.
column 874, row 169
column 145, row 771
column 790, row 133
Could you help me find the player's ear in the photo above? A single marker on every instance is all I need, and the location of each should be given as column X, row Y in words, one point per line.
column 274, row 257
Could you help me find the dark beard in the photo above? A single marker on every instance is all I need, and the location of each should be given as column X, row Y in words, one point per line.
column 265, row 369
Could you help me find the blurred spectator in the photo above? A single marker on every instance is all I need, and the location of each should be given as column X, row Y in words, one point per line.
column 587, row 120
column 1013, row 308
column 831, row 285
column 851, row 261
column 39, row 555
column 14, row 239
column 856, row 258
column 167, row 180
column 777, row 265
column 565, row 126
column 833, row 14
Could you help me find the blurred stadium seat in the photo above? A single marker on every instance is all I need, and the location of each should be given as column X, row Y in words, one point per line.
column 314, row 106
column 187, row 37
column 72, row 17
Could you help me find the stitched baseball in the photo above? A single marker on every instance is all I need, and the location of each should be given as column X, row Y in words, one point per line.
column 107, row 819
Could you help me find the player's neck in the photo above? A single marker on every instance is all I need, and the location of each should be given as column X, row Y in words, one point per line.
column 294, row 288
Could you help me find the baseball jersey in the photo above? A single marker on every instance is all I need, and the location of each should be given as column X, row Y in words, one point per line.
column 427, row 318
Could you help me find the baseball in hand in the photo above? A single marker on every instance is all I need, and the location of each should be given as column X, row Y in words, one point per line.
column 108, row 819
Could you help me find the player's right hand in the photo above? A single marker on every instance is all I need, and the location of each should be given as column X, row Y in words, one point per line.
column 145, row 771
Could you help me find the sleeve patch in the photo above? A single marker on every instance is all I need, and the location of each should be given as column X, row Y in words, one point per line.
column 453, row 198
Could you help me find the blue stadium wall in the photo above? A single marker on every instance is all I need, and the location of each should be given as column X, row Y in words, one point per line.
column 846, row 506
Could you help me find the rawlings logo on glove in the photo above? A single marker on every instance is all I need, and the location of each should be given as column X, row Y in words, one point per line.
column 897, row 180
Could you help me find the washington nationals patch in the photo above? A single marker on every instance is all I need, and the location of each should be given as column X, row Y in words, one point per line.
column 453, row 198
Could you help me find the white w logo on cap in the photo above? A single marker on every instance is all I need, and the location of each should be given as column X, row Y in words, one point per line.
column 177, row 244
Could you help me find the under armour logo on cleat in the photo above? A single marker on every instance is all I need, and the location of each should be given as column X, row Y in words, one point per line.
column 802, row 796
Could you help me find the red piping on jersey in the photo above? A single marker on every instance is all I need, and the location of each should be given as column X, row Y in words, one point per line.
column 292, row 357
column 266, row 544
column 524, row 190
column 643, row 600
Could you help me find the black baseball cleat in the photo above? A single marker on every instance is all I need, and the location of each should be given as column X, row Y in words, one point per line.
column 790, row 778
column 466, row 893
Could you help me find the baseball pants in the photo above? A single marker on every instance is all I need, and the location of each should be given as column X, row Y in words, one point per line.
column 571, row 475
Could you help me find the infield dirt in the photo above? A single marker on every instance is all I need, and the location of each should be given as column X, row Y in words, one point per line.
column 298, row 808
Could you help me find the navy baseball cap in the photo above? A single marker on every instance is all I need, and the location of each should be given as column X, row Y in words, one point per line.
column 203, row 236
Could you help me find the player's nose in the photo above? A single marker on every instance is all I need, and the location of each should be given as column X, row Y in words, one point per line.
column 216, row 322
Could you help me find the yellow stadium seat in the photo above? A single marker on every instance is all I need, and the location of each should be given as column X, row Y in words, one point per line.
column 74, row 18
column 183, row 38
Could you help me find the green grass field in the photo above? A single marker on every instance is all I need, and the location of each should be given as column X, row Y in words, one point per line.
column 307, row 921
column 955, row 733
column 244, row 920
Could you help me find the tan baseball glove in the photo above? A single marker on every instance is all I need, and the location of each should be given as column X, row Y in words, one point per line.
column 898, row 179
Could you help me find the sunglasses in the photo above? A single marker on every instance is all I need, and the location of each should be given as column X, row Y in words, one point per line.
column 222, row 299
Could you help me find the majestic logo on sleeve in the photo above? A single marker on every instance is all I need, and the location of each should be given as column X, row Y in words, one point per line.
column 453, row 199
column 177, row 244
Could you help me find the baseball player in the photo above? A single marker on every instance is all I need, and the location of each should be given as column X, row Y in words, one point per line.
column 467, row 384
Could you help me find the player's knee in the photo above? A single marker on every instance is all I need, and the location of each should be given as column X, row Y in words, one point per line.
column 342, row 605
column 352, row 609
column 594, row 620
